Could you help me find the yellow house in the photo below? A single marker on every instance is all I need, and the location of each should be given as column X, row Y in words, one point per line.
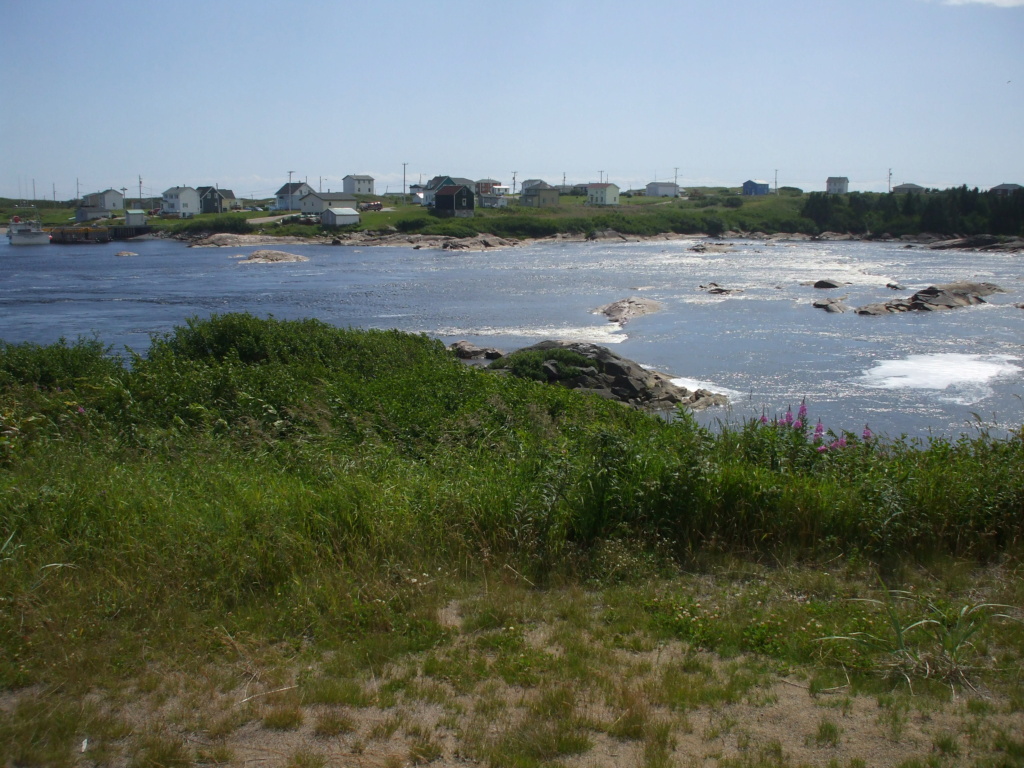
column 602, row 194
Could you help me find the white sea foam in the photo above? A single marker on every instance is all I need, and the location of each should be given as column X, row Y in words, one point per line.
column 611, row 333
column 963, row 378
column 695, row 384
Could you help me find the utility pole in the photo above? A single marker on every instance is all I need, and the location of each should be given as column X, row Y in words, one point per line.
column 600, row 176
column 514, row 181
column 78, row 194
column 890, row 179
column 123, row 201
column 33, row 189
column 54, row 191
column 675, row 179
column 140, row 192
column 403, row 181
column 776, row 181
column 290, row 189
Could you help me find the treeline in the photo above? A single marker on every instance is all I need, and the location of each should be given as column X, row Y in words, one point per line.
column 952, row 211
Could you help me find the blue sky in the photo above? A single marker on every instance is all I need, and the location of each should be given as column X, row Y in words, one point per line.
column 239, row 93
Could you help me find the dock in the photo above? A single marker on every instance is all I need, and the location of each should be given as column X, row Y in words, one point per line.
column 68, row 235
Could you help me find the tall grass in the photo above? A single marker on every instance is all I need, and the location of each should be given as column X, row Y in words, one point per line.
column 291, row 478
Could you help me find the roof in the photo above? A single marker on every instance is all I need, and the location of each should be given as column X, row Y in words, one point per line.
column 328, row 196
column 291, row 188
column 663, row 183
column 538, row 187
column 908, row 186
column 836, row 178
column 225, row 193
column 755, row 181
column 488, row 181
column 134, row 211
column 359, row 177
column 604, row 185
column 343, row 211
column 451, row 189
column 179, row 189
column 1007, row 186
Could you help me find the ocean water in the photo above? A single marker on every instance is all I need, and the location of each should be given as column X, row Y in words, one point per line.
column 917, row 374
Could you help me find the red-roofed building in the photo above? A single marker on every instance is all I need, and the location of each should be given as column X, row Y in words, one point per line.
column 454, row 200
column 602, row 194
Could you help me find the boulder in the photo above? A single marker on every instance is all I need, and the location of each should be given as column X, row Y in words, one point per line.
column 717, row 290
column 830, row 305
column 465, row 350
column 826, row 284
column 270, row 257
column 614, row 377
column 936, row 297
column 624, row 310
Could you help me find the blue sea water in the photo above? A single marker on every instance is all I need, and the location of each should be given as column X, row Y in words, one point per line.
column 915, row 374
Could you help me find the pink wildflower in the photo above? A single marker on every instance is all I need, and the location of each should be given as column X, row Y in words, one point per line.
column 822, row 448
column 819, row 431
column 841, row 442
column 866, row 434
column 789, row 417
column 764, row 418
column 798, row 424
column 81, row 409
column 802, row 413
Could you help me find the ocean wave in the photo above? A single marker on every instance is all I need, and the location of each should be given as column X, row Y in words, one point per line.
column 962, row 378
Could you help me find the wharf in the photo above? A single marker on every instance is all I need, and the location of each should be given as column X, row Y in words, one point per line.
column 66, row 235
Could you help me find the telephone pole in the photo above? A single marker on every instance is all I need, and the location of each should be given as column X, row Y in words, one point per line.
column 514, row 181
column 776, row 181
column 600, row 176
column 124, row 202
column 890, row 179
column 290, row 189
column 403, row 181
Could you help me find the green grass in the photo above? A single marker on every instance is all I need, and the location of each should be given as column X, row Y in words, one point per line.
column 263, row 494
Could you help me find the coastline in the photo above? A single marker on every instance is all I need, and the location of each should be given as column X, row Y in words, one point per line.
column 486, row 242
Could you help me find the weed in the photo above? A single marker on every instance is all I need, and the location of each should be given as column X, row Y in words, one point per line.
column 827, row 734
column 332, row 723
column 283, row 718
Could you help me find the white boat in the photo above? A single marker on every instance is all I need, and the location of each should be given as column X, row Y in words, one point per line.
column 26, row 232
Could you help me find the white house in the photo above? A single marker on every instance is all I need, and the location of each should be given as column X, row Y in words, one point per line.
column 662, row 189
column 837, row 185
column 318, row 202
column 339, row 217
column 358, row 185
column 603, row 194
column 290, row 194
column 530, row 183
column 108, row 200
column 180, row 201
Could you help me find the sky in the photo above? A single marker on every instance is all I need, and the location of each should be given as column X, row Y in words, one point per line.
column 238, row 94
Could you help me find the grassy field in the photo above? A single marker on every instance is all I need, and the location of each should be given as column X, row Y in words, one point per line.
column 280, row 541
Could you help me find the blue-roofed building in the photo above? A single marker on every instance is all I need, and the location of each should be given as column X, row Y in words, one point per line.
column 756, row 187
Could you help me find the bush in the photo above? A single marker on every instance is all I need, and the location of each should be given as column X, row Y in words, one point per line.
column 528, row 364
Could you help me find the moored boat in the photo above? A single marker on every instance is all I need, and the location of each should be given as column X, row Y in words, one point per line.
column 26, row 232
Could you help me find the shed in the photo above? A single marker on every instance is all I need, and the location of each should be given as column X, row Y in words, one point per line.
column 454, row 200
column 756, row 187
column 339, row 217
column 133, row 217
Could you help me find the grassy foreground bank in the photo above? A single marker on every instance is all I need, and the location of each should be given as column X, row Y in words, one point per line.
column 301, row 530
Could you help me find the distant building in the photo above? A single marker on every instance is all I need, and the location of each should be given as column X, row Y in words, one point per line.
column 756, row 187
column 290, row 194
column 908, row 189
column 109, row 200
column 454, row 200
column 530, row 183
column 486, row 186
column 358, row 185
column 180, row 201
column 837, row 185
column 662, row 189
column 492, row 201
column 539, row 196
column 214, row 200
column 339, row 217
column 603, row 194
column 88, row 213
column 438, row 182
column 1005, row 190
column 134, row 217
column 318, row 202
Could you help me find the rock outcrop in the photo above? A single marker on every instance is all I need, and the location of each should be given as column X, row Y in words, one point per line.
column 830, row 305
column 465, row 350
column 624, row 310
column 270, row 257
column 613, row 377
column 935, row 297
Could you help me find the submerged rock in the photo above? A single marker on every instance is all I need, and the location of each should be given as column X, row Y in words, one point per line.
column 270, row 257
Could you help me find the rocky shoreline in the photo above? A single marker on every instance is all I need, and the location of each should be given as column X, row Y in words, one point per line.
column 485, row 242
